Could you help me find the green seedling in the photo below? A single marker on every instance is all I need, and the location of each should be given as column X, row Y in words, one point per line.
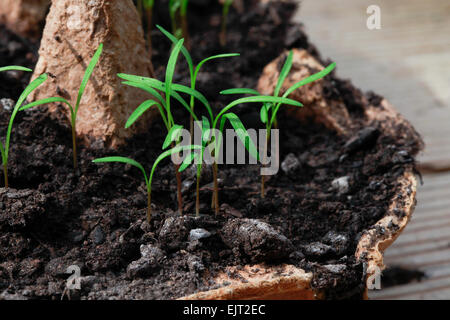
column 149, row 179
column 223, row 30
column 240, row 130
column 154, row 87
column 178, row 8
column 4, row 148
column 170, row 90
column 193, row 69
column 269, row 110
column 73, row 111
column 148, row 8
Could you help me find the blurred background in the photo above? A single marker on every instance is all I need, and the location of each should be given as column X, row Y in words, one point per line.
column 408, row 62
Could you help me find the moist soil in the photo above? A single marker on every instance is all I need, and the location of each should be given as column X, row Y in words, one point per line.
column 53, row 217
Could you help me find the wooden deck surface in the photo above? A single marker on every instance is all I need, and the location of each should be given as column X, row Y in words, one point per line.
column 408, row 62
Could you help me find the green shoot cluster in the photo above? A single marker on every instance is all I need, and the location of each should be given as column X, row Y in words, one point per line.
column 4, row 148
column 178, row 17
column 210, row 124
column 269, row 110
column 223, row 30
column 73, row 111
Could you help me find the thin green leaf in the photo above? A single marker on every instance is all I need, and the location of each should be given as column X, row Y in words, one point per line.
column 148, row 89
column 240, row 91
column 314, row 77
column 15, row 68
column 264, row 114
column 170, row 70
column 148, row 4
column 87, row 75
column 140, row 111
column 187, row 161
column 284, row 73
column 46, row 101
column 219, row 56
column 2, row 151
column 301, row 83
column 173, row 135
column 241, row 132
column 158, row 85
column 184, row 51
column 183, row 9
column 168, row 153
column 255, row 99
column 196, row 94
column 30, row 88
column 123, row 160
column 206, row 126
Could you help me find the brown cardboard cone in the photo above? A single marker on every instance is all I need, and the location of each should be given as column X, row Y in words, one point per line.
column 24, row 16
column 73, row 31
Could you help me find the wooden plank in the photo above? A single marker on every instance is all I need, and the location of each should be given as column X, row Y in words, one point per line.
column 438, row 288
column 406, row 61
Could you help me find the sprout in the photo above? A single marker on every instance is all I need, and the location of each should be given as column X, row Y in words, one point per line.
column 4, row 149
column 148, row 7
column 240, row 131
column 193, row 70
column 223, row 32
column 73, row 111
column 178, row 8
column 170, row 90
column 269, row 110
column 148, row 180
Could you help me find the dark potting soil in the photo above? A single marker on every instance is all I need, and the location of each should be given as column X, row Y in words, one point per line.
column 94, row 218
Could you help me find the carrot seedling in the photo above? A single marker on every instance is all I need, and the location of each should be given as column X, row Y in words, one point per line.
column 223, row 30
column 73, row 111
column 154, row 86
column 240, row 130
column 269, row 110
column 170, row 90
column 178, row 10
column 148, row 8
column 4, row 148
column 148, row 179
column 193, row 69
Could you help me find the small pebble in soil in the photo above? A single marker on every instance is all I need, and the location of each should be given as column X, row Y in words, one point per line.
column 290, row 164
column 197, row 234
column 365, row 138
column 338, row 241
column 195, row 264
column 186, row 185
column 151, row 256
column 317, row 250
column 175, row 231
column 296, row 256
column 335, row 268
column 76, row 236
column 256, row 239
column 98, row 235
column 341, row 185
column 7, row 104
